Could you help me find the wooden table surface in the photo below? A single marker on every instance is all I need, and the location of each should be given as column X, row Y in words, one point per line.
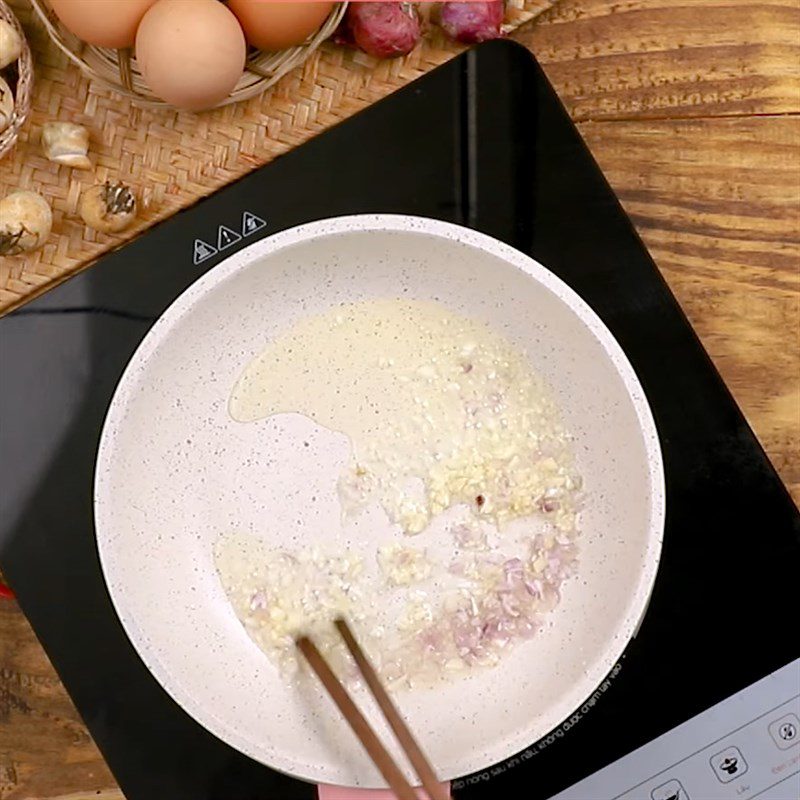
column 692, row 108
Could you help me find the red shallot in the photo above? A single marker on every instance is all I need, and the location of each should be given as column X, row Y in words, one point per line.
column 471, row 23
column 384, row 30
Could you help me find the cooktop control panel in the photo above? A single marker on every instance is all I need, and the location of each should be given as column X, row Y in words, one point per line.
column 745, row 747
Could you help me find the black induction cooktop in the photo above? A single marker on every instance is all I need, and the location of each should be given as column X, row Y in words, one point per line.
column 484, row 142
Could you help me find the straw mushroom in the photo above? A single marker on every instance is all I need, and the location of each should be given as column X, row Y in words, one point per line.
column 66, row 143
column 25, row 222
column 6, row 104
column 109, row 207
column 10, row 44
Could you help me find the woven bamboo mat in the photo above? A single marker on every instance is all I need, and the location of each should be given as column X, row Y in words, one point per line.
column 174, row 158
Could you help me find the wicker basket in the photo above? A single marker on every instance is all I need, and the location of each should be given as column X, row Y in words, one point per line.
column 117, row 69
column 24, row 84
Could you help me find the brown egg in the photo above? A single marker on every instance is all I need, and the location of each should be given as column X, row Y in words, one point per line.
column 276, row 25
column 105, row 23
column 191, row 52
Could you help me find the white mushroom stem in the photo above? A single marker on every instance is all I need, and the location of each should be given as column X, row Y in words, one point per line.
column 6, row 105
column 10, row 44
column 66, row 143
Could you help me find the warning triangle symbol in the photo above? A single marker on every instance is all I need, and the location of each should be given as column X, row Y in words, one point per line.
column 226, row 237
column 202, row 251
column 251, row 223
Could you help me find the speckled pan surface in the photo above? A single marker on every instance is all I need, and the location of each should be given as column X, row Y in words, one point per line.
column 174, row 471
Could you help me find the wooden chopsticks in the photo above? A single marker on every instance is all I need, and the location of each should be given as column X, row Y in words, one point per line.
column 372, row 744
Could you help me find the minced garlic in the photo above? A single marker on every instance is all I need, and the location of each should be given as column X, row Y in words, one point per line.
column 425, row 394
column 443, row 414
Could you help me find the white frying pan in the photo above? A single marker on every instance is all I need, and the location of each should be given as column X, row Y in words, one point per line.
column 174, row 471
